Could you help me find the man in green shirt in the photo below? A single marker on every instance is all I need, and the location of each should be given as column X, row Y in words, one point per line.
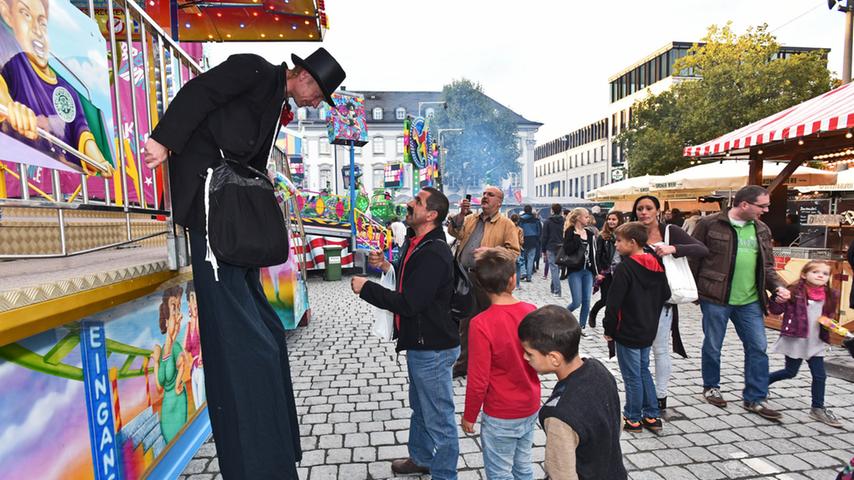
column 731, row 283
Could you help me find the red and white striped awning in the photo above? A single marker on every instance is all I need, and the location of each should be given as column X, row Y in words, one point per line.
column 828, row 112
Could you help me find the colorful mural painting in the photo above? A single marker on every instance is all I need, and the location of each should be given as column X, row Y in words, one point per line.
column 345, row 123
column 113, row 391
column 370, row 234
column 421, row 150
column 58, row 77
column 286, row 290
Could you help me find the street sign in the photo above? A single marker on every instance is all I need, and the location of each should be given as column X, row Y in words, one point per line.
column 617, row 174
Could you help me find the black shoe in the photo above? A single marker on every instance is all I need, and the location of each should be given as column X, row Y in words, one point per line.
column 652, row 424
column 406, row 466
column 459, row 371
column 761, row 408
column 662, row 403
column 632, row 427
column 563, row 277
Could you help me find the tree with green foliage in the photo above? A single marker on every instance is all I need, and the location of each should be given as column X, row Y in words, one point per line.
column 739, row 80
column 487, row 150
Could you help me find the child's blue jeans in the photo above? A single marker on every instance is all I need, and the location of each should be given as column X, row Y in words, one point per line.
column 819, row 376
column 640, row 389
column 507, row 447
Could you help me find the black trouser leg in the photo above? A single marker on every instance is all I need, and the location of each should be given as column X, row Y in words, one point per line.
column 254, row 422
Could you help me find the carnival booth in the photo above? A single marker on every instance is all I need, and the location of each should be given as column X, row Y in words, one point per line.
column 624, row 192
column 818, row 130
column 103, row 376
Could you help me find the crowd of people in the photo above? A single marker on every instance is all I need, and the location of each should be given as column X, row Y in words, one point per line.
column 504, row 343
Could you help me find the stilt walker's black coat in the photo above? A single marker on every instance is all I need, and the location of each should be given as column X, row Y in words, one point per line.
column 234, row 107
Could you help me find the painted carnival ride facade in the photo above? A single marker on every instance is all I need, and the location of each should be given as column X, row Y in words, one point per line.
column 102, row 371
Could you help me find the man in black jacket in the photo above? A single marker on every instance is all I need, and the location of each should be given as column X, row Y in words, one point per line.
column 235, row 107
column 424, row 328
column 551, row 243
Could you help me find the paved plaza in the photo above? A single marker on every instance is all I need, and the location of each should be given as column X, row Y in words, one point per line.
column 352, row 398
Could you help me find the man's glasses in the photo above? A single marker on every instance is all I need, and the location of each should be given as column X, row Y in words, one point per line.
column 761, row 205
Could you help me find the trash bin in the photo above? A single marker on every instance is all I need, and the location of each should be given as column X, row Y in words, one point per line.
column 333, row 262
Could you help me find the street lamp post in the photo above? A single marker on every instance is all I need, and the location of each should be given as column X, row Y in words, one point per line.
column 846, row 6
column 442, row 151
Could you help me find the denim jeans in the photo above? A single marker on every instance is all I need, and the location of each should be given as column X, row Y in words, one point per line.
column 433, row 439
column 749, row 323
column 661, row 352
column 581, row 288
column 520, row 266
column 507, row 447
column 529, row 255
column 553, row 269
column 819, row 376
column 640, row 389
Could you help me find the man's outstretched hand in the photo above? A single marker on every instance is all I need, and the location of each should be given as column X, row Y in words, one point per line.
column 154, row 153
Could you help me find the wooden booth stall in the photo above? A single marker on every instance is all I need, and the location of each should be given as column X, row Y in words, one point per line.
column 818, row 131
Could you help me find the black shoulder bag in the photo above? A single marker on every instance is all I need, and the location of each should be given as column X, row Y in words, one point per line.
column 245, row 224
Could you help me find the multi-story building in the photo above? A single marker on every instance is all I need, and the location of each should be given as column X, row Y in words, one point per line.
column 653, row 75
column 570, row 166
column 386, row 112
column 563, row 172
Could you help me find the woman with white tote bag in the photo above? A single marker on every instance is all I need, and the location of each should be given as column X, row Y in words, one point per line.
column 647, row 210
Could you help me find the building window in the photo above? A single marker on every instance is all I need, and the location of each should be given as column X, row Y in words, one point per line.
column 595, row 181
column 400, row 113
column 324, row 146
column 325, row 177
column 602, row 179
column 399, row 144
column 378, row 177
column 379, row 145
column 378, row 113
column 594, row 156
column 603, row 154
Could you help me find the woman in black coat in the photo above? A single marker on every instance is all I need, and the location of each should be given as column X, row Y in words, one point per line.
column 647, row 210
column 579, row 243
column 606, row 260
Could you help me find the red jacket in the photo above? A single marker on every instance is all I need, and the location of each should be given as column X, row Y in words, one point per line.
column 499, row 378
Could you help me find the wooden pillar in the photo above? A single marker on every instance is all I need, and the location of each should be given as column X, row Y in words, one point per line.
column 754, row 175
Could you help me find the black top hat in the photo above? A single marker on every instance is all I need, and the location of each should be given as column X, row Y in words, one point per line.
column 326, row 71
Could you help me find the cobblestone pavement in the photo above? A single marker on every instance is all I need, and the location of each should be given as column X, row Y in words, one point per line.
column 352, row 397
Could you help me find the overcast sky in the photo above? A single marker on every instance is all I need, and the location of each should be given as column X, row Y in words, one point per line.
column 549, row 60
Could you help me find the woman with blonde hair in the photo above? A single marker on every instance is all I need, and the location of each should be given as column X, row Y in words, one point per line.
column 579, row 246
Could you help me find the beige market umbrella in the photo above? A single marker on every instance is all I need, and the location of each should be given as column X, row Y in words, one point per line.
column 732, row 175
column 629, row 186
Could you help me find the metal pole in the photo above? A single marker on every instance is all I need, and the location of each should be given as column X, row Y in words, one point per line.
column 135, row 136
column 353, row 192
column 25, row 181
column 846, row 55
column 118, row 114
column 146, row 64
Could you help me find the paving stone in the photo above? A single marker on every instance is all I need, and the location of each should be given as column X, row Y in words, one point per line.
column 672, row 457
column 196, row 465
column 325, row 472
column 676, row 473
column 364, row 454
column 354, row 471
column 338, row 455
column 644, row 460
column 392, row 453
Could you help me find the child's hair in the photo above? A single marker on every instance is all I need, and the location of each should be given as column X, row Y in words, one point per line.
column 493, row 269
column 515, row 218
column 572, row 218
column 607, row 233
column 810, row 266
column 551, row 329
column 633, row 231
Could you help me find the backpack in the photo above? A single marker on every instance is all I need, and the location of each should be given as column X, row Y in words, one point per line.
column 462, row 297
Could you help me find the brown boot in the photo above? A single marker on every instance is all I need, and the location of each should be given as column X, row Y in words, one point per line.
column 405, row 466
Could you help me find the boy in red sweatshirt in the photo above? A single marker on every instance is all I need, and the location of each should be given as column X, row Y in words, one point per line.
column 499, row 378
column 637, row 294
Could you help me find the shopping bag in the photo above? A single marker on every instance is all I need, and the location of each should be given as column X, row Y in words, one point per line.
column 683, row 289
column 383, row 319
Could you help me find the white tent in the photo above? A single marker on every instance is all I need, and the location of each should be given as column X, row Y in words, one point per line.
column 844, row 183
column 629, row 186
column 732, row 175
